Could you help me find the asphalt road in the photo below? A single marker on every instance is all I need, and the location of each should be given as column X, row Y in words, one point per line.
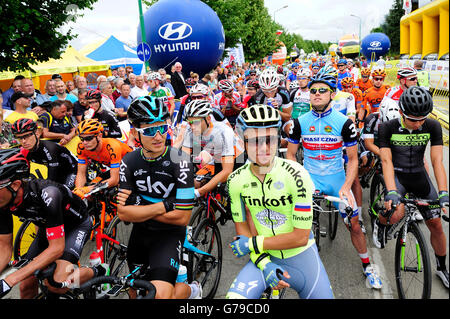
column 340, row 259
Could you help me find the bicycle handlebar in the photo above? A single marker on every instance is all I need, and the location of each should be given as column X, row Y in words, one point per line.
column 133, row 283
column 99, row 187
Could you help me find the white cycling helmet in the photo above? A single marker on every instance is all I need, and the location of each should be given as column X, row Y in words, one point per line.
column 198, row 108
column 155, row 76
column 226, row 86
column 406, row 72
column 269, row 79
column 199, row 88
column 304, row 72
column 293, row 85
column 389, row 110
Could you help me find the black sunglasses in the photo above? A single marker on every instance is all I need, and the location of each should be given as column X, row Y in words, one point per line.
column 87, row 138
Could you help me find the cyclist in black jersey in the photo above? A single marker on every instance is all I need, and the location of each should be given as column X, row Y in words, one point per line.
column 156, row 194
column 61, row 164
column 61, row 217
column 402, row 147
column 108, row 119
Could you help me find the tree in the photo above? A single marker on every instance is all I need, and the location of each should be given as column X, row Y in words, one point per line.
column 391, row 25
column 30, row 30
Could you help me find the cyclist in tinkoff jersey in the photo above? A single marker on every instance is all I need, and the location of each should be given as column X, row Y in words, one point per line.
column 324, row 132
column 156, row 194
column 276, row 233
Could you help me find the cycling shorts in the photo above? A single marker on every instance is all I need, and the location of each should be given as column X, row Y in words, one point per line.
column 308, row 277
column 75, row 239
column 330, row 185
column 159, row 251
column 420, row 185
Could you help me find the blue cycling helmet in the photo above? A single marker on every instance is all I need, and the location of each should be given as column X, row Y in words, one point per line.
column 342, row 61
column 326, row 75
column 315, row 65
column 294, row 65
column 147, row 109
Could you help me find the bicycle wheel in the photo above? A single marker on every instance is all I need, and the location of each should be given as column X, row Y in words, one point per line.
column 376, row 197
column 24, row 237
column 333, row 217
column 115, row 256
column 206, row 269
column 412, row 265
column 198, row 213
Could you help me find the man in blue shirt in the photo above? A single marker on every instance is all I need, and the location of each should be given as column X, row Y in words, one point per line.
column 342, row 72
column 123, row 101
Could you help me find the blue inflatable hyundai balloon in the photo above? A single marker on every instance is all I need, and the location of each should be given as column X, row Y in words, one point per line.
column 377, row 44
column 185, row 31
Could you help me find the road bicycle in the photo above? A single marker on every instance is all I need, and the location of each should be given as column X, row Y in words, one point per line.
column 412, row 258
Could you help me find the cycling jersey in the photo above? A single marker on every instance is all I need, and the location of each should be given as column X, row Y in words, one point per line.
column 371, row 126
column 358, row 95
column 164, row 94
column 345, row 103
column 110, row 124
column 292, row 76
column 219, row 140
column 282, row 98
column 363, row 86
column 373, row 97
column 323, row 137
column 110, row 155
column 61, row 165
column 169, row 175
column 342, row 75
column 300, row 102
column 408, row 147
column 394, row 93
column 278, row 205
column 221, row 101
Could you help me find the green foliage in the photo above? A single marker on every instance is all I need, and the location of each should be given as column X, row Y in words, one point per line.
column 391, row 25
column 30, row 32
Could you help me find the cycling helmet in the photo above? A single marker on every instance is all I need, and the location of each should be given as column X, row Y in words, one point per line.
column 342, row 61
column 147, row 109
column 90, row 127
column 23, row 126
column 155, row 76
column 303, row 72
column 379, row 72
column 327, row 76
column 253, row 84
column 226, row 86
column 94, row 95
column 198, row 108
column 389, row 110
column 347, row 81
column 416, row 101
column 315, row 65
column 199, row 88
column 294, row 65
column 280, row 70
column 13, row 166
column 282, row 78
column 293, row 85
column 406, row 72
column 257, row 116
column 365, row 72
column 269, row 79
column 190, row 82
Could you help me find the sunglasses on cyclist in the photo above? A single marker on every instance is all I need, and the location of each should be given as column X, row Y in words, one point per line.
column 198, row 97
column 320, row 90
column 412, row 79
column 153, row 130
column 414, row 119
column 87, row 138
column 260, row 140
column 347, row 86
column 378, row 79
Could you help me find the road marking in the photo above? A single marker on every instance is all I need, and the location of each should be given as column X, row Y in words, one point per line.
column 377, row 262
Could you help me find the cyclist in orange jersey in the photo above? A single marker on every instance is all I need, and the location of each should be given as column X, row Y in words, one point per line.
column 348, row 85
column 374, row 95
column 364, row 82
column 94, row 147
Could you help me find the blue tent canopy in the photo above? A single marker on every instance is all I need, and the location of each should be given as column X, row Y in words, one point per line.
column 116, row 53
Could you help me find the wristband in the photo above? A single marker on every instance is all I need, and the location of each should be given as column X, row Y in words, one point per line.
column 442, row 194
column 260, row 260
column 256, row 244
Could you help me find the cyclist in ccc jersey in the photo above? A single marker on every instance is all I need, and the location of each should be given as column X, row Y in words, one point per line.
column 61, row 165
column 278, row 195
column 323, row 132
column 62, row 219
column 156, row 194
column 402, row 146
column 375, row 94
column 105, row 151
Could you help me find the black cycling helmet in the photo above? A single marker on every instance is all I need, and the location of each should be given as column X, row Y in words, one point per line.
column 147, row 109
column 416, row 101
column 94, row 95
column 13, row 166
column 23, row 125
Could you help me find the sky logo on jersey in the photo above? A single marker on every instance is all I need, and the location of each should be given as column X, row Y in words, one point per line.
column 302, row 208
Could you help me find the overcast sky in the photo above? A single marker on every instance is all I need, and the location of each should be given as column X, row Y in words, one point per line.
column 324, row 20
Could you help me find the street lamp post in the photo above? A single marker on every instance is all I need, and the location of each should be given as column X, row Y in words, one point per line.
column 283, row 7
column 360, row 20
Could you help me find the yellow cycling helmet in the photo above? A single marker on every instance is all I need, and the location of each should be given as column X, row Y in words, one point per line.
column 379, row 72
column 365, row 72
column 347, row 81
column 90, row 127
